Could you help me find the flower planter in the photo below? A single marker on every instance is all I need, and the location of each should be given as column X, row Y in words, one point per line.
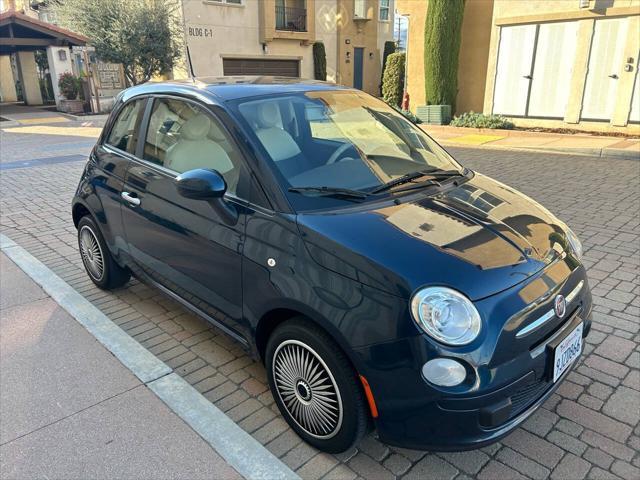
column 72, row 106
column 434, row 114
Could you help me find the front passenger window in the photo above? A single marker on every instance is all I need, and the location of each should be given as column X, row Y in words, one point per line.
column 182, row 137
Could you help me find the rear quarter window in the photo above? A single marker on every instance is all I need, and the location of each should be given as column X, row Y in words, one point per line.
column 125, row 130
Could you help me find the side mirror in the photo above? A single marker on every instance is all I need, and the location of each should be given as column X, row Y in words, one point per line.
column 208, row 185
column 201, row 184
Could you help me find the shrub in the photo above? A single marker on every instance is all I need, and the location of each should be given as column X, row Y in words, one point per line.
column 393, row 79
column 69, row 85
column 480, row 120
column 408, row 114
column 442, row 37
column 319, row 61
column 389, row 48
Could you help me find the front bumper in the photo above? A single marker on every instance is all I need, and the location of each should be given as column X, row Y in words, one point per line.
column 415, row 414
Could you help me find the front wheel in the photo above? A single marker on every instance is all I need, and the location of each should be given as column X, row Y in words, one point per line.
column 315, row 387
column 98, row 262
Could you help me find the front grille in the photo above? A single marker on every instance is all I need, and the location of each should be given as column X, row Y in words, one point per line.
column 526, row 395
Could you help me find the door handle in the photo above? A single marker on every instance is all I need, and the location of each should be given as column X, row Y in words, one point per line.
column 135, row 201
column 528, row 77
column 614, row 76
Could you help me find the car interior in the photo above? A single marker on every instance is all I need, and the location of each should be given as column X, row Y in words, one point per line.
column 182, row 137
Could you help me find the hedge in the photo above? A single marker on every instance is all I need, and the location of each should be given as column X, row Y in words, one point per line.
column 442, row 37
column 319, row 61
column 389, row 48
column 393, row 79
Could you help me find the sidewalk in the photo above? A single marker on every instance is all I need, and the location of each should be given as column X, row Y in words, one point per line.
column 17, row 114
column 70, row 409
column 581, row 144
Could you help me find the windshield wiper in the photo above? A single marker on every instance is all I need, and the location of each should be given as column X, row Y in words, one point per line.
column 414, row 175
column 330, row 192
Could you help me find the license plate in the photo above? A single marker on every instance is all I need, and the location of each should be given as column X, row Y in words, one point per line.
column 567, row 351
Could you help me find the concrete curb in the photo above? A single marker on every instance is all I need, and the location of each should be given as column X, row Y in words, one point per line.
column 583, row 152
column 239, row 449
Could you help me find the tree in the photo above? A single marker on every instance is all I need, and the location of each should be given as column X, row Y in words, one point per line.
column 319, row 61
column 389, row 48
column 143, row 35
column 442, row 37
column 393, row 80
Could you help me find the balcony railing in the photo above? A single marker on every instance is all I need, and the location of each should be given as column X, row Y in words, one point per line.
column 291, row 19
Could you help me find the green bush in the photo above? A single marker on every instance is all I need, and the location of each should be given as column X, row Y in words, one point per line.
column 408, row 114
column 393, row 79
column 319, row 61
column 389, row 48
column 69, row 85
column 480, row 120
column 442, row 37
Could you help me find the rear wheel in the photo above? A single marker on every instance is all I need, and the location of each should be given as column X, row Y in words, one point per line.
column 98, row 262
column 315, row 386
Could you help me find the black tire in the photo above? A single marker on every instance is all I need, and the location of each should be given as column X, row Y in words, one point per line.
column 96, row 257
column 342, row 428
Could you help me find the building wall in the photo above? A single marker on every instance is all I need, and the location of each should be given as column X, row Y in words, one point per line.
column 417, row 12
column 215, row 31
column 234, row 31
column 474, row 55
column 472, row 61
column 326, row 27
column 509, row 13
column 361, row 34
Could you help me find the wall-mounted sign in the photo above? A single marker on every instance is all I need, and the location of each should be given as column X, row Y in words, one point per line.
column 110, row 76
column 199, row 31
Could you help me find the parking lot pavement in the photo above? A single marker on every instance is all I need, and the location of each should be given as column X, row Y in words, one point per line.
column 588, row 428
column 69, row 409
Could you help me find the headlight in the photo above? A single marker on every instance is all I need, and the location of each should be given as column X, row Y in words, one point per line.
column 574, row 241
column 446, row 315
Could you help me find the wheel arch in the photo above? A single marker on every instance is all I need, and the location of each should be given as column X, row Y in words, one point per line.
column 275, row 316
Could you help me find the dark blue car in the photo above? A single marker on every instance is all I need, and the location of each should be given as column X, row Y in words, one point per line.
column 382, row 284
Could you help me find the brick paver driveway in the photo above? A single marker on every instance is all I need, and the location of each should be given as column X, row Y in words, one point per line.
column 589, row 428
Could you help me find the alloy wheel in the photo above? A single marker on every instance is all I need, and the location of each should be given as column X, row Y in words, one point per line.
column 91, row 252
column 307, row 389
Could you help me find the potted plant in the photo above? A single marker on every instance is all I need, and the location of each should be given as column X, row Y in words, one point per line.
column 69, row 86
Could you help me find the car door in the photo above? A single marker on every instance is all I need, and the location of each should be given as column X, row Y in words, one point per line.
column 107, row 168
column 182, row 244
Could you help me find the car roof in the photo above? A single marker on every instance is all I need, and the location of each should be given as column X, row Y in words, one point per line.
column 231, row 88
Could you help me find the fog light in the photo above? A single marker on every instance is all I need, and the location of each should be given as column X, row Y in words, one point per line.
column 444, row 372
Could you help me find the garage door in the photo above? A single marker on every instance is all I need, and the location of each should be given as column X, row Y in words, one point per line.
column 250, row 66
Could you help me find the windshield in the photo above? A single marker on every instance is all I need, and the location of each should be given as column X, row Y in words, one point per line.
column 323, row 140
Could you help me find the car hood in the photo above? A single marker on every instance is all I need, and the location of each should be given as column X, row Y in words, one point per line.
column 479, row 238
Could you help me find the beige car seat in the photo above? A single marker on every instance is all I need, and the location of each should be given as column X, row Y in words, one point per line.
column 195, row 149
column 276, row 141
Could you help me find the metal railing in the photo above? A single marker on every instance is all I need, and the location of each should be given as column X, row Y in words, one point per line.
column 292, row 19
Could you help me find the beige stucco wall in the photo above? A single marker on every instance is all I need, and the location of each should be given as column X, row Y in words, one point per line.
column 241, row 31
column 7, row 84
column 417, row 12
column 474, row 52
column 361, row 34
column 509, row 12
column 57, row 67
column 474, row 55
column 236, row 32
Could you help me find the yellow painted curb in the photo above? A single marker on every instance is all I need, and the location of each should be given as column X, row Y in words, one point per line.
column 91, row 132
column 32, row 121
column 475, row 139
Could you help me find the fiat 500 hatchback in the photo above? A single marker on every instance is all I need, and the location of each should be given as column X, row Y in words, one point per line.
column 382, row 284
